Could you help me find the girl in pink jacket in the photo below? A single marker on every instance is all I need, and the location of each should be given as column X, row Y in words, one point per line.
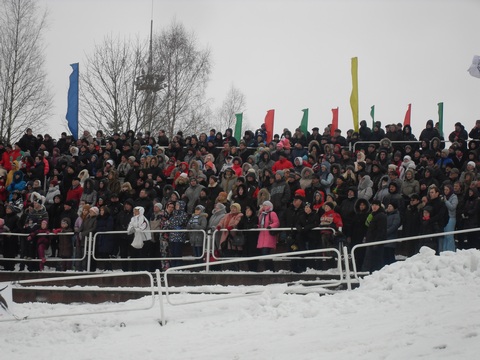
column 267, row 219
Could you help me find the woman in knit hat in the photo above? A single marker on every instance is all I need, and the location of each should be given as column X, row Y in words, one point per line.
column 267, row 242
column 229, row 222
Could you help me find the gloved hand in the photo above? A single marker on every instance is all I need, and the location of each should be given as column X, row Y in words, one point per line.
column 229, row 228
column 218, row 227
column 269, row 227
column 56, row 231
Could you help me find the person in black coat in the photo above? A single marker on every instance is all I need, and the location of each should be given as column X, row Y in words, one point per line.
column 439, row 216
column 411, row 226
column 10, row 243
column 377, row 231
column 307, row 221
column 250, row 221
column 362, row 210
column 348, row 213
column 121, row 224
column 470, row 216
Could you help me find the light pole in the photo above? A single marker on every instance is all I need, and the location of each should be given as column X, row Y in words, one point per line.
column 150, row 83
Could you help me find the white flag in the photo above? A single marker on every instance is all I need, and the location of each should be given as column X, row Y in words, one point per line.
column 474, row 69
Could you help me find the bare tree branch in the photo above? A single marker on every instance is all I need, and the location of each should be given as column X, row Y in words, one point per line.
column 108, row 99
column 25, row 100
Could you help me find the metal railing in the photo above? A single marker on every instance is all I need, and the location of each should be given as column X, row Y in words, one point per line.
column 89, row 310
column 53, row 259
column 399, row 240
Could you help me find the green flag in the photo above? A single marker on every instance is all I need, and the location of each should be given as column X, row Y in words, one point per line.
column 238, row 127
column 440, row 118
column 372, row 114
column 304, row 123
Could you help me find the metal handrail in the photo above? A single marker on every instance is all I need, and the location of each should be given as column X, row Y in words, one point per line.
column 89, row 310
column 408, row 238
column 50, row 259
column 152, row 232
column 252, row 258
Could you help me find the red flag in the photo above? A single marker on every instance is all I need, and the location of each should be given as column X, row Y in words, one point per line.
column 406, row 121
column 334, row 121
column 269, row 124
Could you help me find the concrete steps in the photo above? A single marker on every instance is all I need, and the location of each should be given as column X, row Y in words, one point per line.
column 127, row 286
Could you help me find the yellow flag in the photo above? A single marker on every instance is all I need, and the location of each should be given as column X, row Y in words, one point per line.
column 354, row 96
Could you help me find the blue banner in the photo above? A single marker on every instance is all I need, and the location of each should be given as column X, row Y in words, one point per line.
column 72, row 105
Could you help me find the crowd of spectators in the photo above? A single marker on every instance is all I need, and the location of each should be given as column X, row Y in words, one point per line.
column 372, row 185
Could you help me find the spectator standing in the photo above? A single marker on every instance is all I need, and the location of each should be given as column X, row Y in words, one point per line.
column 267, row 242
column 447, row 243
column 198, row 221
column 376, row 231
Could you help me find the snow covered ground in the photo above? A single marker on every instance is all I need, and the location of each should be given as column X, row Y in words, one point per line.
column 425, row 307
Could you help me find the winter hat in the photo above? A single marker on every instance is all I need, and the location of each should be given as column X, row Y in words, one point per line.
column 428, row 209
column 110, row 161
column 176, row 194
column 414, row 196
column 66, row 220
column 184, row 175
column 158, row 205
column 268, row 204
column 394, row 204
column 251, row 174
column 377, row 202
column 281, row 173
column 45, row 221
column 330, row 205
column 95, row 210
column 200, row 207
column 300, row 193
column 236, row 206
column 471, row 163
column 71, row 203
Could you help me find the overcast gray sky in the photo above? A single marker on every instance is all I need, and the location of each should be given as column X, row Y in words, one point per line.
column 289, row 55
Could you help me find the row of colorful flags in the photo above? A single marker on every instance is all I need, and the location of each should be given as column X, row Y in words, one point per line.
column 73, row 96
column 269, row 121
column 474, row 70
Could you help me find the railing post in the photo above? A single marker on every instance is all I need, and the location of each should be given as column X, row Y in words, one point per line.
column 88, row 246
column 160, row 297
column 347, row 268
column 207, row 252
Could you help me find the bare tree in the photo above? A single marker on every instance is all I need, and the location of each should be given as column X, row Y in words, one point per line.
column 234, row 103
column 25, row 100
column 187, row 69
column 109, row 101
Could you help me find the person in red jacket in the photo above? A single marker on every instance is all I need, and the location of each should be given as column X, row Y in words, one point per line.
column 9, row 156
column 76, row 191
column 282, row 163
column 332, row 219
